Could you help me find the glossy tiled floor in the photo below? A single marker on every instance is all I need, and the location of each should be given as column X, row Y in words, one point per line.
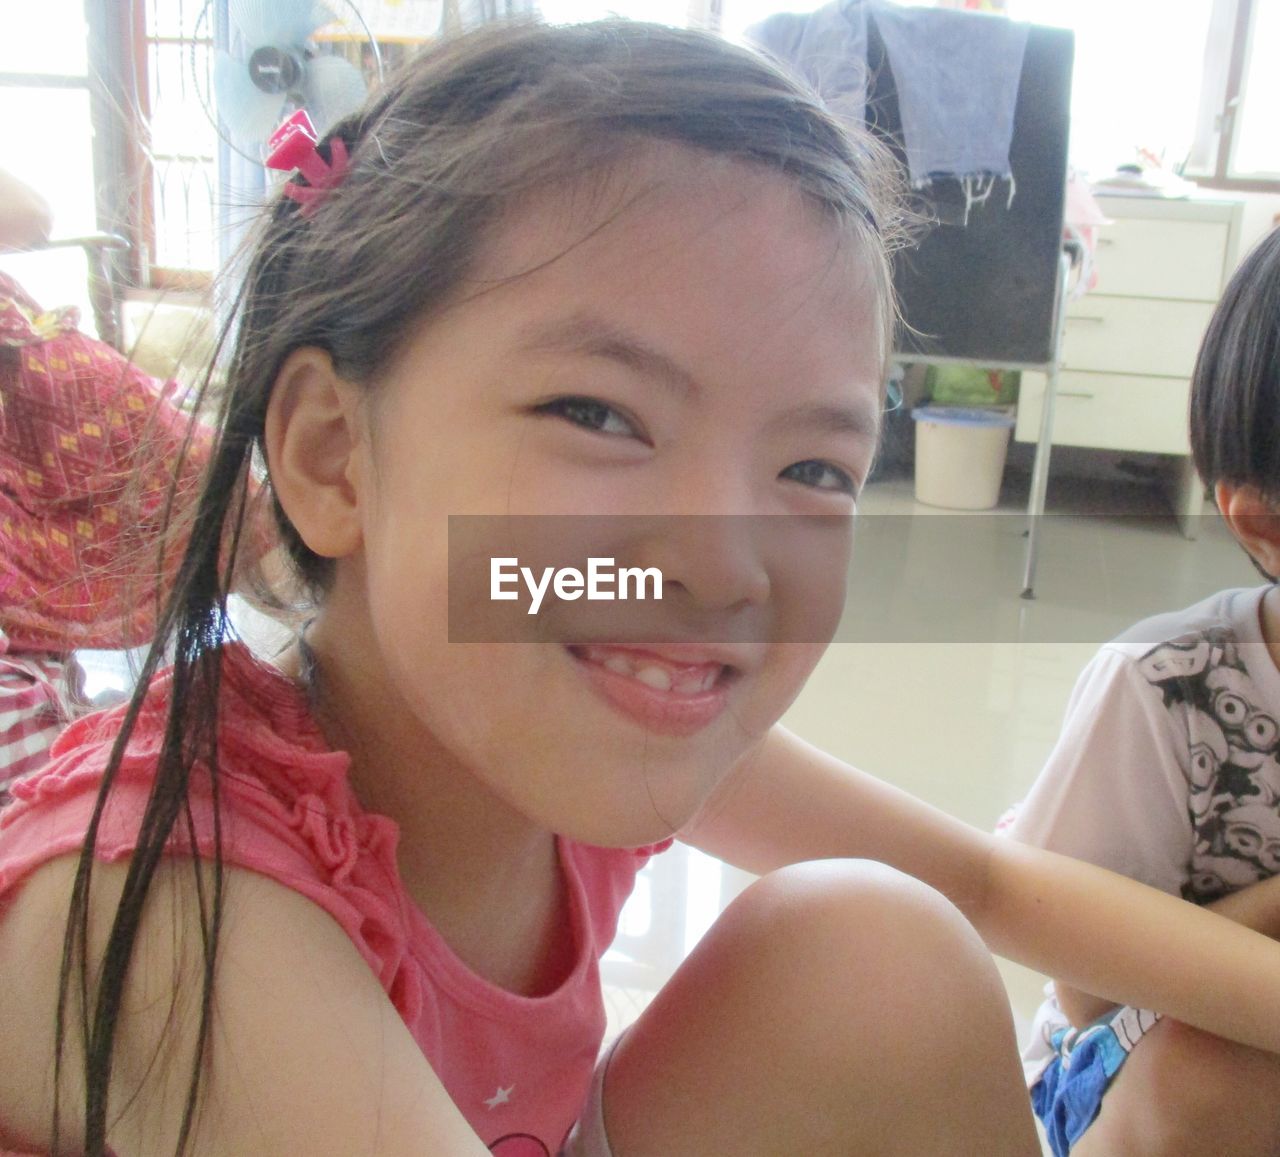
column 964, row 715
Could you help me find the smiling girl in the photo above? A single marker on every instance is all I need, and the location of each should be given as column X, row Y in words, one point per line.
column 353, row 901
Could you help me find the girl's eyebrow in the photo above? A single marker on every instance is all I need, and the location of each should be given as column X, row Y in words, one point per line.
column 860, row 421
column 588, row 335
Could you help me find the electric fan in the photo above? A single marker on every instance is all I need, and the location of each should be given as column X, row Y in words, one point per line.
column 286, row 55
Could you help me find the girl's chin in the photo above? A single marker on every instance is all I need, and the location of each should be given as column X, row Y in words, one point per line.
column 628, row 838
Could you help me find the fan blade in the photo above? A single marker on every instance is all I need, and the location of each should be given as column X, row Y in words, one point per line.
column 246, row 112
column 331, row 88
column 277, row 22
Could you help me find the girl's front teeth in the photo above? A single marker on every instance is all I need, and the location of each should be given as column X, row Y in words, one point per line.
column 654, row 677
column 618, row 664
column 661, row 679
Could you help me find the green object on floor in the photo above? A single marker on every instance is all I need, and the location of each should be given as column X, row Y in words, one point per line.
column 971, row 386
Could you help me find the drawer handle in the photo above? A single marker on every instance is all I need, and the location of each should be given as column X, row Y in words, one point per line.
column 1074, row 394
column 1087, row 317
column 1106, row 240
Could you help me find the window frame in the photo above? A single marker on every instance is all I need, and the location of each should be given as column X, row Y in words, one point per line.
column 101, row 81
column 116, row 81
column 132, row 42
column 1225, row 113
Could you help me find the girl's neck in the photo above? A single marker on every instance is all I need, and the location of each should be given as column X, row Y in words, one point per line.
column 400, row 771
column 486, row 877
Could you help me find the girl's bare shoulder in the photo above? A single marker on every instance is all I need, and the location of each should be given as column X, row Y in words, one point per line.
column 308, row 1054
column 33, row 919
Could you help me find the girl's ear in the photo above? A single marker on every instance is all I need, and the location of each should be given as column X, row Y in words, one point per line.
column 1254, row 520
column 314, row 442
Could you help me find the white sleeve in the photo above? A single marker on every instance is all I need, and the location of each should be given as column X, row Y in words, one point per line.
column 1114, row 790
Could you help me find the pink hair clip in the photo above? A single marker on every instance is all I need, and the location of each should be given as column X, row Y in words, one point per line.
column 293, row 147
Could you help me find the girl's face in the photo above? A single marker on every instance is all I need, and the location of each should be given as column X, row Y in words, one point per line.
column 697, row 341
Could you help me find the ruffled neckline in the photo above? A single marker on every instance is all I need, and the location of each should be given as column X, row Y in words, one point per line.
column 275, row 761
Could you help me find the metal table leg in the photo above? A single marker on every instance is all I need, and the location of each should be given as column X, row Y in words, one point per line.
column 1044, row 443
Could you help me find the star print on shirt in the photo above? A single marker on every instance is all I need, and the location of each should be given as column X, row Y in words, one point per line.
column 501, row 1097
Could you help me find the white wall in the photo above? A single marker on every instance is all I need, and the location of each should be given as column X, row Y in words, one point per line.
column 1261, row 211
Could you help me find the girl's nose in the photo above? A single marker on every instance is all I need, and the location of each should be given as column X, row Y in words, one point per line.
column 718, row 561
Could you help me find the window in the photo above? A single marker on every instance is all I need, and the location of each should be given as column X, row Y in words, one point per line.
column 1192, row 87
column 174, row 174
column 1236, row 145
column 102, row 117
column 1135, row 94
column 47, row 105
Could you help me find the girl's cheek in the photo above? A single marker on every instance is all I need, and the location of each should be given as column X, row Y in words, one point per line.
column 796, row 664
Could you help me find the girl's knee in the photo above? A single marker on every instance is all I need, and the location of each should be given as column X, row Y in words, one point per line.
column 857, row 910
column 830, row 1001
column 870, row 940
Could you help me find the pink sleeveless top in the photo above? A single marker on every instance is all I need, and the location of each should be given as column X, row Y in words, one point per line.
column 517, row 1067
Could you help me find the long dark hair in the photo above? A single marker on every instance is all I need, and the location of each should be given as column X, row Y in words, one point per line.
column 451, row 144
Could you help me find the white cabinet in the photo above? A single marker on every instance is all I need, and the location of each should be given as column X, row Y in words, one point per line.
column 1130, row 344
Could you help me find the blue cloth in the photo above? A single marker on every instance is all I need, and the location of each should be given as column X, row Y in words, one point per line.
column 957, row 76
column 1069, row 1093
column 826, row 48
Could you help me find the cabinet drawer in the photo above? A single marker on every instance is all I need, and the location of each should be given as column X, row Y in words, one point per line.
column 1134, row 335
column 1109, row 412
column 1141, row 257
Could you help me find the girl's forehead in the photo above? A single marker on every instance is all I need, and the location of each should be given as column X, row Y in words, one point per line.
column 672, row 234
column 660, row 201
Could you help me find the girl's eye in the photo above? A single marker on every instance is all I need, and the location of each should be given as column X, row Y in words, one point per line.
column 821, row 476
column 591, row 414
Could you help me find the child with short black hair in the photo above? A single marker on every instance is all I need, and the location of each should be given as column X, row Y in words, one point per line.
column 1168, row 771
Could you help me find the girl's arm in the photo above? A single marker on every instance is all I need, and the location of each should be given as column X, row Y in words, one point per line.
column 308, row 1054
column 1256, row 907
column 1097, row 931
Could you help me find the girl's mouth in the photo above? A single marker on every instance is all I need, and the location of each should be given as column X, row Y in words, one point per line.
column 674, row 694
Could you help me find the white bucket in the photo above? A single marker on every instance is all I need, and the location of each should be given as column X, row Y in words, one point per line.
column 960, row 456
